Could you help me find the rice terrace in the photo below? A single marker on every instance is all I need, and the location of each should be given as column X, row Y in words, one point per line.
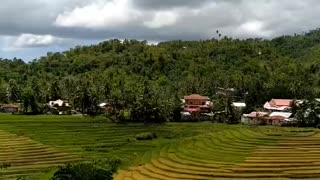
column 33, row 146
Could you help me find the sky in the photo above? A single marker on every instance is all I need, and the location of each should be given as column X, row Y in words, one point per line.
column 31, row 28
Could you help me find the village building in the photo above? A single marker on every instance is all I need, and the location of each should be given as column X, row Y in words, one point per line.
column 278, row 105
column 265, row 118
column 105, row 107
column 9, row 109
column 254, row 118
column 239, row 105
column 196, row 104
column 277, row 118
column 59, row 107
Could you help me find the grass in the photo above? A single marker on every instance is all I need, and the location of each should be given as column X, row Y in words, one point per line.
column 35, row 145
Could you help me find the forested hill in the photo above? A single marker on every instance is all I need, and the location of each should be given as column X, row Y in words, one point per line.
column 125, row 72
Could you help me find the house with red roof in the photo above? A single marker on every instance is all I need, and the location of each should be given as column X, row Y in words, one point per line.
column 277, row 113
column 254, row 118
column 265, row 118
column 278, row 105
column 196, row 104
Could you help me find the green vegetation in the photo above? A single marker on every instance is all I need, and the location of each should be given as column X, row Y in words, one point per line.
column 143, row 82
column 37, row 144
column 101, row 170
column 146, row 136
column 241, row 152
column 50, row 141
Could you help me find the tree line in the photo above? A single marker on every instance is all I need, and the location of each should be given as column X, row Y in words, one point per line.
column 145, row 82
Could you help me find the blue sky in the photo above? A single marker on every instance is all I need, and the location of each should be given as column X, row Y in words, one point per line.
column 31, row 53
column 30, row 29
column 28, row 54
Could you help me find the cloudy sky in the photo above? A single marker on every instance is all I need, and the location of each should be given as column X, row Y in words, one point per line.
column 31, row 28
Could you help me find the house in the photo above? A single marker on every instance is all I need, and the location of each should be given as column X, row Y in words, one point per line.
column 9, row 108
column 105, row 107
column 277, row 118
column 264, row 118
column 59, row 107
column 196, row 104
column 254, row 118
column 279, row 105
column 58, row 103
column 239, row 105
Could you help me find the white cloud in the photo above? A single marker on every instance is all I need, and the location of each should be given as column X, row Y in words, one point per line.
column 98, row 14
column 254, row 28
column 33, row 40
column 152, row 20
column 162, row 19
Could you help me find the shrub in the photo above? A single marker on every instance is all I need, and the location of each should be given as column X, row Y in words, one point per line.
column 114, row 164
column 5, row 165
column 130, row 139
column 20, row 133
column 99, row 170
column 23, row 178
column 88, row 148
column 146, row 136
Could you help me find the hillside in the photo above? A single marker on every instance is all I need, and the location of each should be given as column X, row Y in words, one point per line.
column 124, row 72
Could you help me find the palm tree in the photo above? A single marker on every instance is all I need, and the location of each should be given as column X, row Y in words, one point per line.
column 309, row 114
column 13, row 92
column 54, row 90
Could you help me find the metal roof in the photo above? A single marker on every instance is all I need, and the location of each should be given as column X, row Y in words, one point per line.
column 256, row 114
column 239, row 104
column 280, row 114
column 196, row 97
column 282, row 102
column 267, row 105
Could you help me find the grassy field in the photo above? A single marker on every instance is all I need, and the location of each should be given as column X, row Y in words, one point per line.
column 43, row 142
column 33, row 145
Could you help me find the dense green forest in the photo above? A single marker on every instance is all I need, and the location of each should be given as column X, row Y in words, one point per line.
column 148, row 80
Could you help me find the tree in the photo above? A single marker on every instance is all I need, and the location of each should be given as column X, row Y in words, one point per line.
column 114, row 72
column 177, row 108
column 99, row 170
column 54, row 90
column 309, row 114
column 231, row 114
column 82, row 171
column 13, row 91
column 150, row 107
column 29, row 101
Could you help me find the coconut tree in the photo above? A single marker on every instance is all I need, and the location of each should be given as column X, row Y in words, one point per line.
column 309, row 114
column 13, row 91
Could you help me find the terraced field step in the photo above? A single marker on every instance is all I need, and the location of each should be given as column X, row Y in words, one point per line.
column 234, row 154
column 166, row 173
column 272, row 169
column 27, row 157
column 283, row 158
column 172, row 164
column 281, row 161
column 15, row 176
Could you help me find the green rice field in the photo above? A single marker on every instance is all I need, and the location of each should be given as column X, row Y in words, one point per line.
column 33, row 146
